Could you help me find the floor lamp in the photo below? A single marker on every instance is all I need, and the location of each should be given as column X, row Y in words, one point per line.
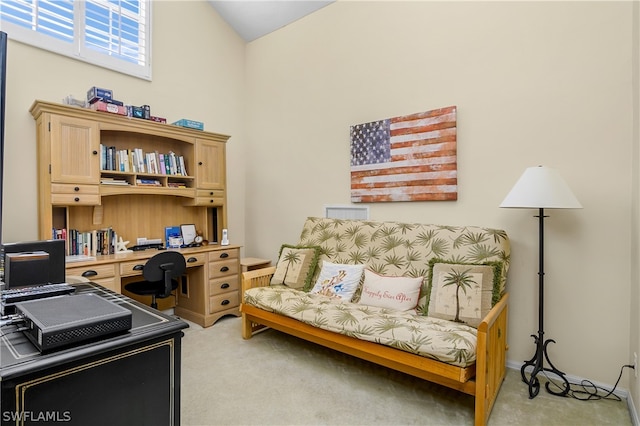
column 541, row 188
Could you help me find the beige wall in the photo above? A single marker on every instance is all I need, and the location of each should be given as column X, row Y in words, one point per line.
column 535, row 83
column 198, row 71
column 634, row 299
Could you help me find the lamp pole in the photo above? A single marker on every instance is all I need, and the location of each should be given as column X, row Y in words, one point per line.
column 537, row 361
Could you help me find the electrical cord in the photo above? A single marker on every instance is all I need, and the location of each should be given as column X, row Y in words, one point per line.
column 589, row 391
column 11, row 319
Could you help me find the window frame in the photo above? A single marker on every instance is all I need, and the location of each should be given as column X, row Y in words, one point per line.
column 75, row 50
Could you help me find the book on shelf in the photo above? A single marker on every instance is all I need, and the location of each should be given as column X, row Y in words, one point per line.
column 87, row 243
column 163, row 165
column 176, row 185
column 148, row 182
column 137, row 161
column 113, row 181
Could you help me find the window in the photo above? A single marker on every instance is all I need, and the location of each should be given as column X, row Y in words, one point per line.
column 114, row 34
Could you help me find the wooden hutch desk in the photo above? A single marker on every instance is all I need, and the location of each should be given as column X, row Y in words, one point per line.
column 76, row 191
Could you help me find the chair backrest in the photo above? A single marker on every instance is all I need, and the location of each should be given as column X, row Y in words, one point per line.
column 164, row 267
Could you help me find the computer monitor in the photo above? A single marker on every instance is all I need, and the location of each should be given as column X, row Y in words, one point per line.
column 55, row 248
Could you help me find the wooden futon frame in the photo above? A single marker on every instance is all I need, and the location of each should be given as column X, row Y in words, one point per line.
column 482, row 380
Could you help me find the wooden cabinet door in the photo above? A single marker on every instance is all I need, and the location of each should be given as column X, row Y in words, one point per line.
column 210, row 164
column 75, row 150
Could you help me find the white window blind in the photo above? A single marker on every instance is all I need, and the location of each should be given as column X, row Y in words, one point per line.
column 114, row 34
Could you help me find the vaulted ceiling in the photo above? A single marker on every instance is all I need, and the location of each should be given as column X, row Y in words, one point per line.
column 253, row 19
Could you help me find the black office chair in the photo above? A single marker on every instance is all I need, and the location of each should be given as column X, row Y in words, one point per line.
column 159, row 273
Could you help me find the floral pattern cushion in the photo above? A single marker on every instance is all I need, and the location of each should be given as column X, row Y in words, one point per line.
column 405, row 249
column 442, row 340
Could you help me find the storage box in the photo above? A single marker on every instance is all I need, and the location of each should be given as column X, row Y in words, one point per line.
column 107, row 107
column 158, row 119
column 191, row 124
column 135, row 112
column 96, row 94
column 143, row 111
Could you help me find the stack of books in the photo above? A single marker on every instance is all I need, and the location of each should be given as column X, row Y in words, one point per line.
column 113, row 181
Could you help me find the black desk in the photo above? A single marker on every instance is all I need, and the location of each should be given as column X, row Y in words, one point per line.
column 129, row 379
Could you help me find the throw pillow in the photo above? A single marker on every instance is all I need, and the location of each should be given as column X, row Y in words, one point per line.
column 463, row 292
column 399, row 293
column 296, row 266
column 338, row 280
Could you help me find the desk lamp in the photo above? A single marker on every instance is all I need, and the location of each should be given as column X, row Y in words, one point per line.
column 541, row 188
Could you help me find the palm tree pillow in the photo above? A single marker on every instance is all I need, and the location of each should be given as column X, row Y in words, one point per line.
column 296, row 265
column 463, row 292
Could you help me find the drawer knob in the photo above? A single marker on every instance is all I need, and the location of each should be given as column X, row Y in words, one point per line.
column 191, row 260
column 225, row 302
column 77, row 188
column 211, row 193
column 95, row 152
column 225, row 285
column 224, row 255
column 138, row 267
column 89, row 273
column 199, row 163
column 76, row 199
column 224, row 269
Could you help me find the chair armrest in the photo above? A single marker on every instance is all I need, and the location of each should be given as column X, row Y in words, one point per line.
column 491, row 358
column 257, row 278
column 494, row 313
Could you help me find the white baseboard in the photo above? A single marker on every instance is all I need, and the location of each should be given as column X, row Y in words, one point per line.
column 633, row 412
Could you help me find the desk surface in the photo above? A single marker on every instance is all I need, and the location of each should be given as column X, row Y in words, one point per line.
column 18, row 355
column 146, row 254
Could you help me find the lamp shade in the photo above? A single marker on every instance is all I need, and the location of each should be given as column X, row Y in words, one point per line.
column 541, row 187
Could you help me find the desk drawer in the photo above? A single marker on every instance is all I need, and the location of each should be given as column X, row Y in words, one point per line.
column 223, row 302
column 127, row 268
column 109, row 283
column 223, row 285
column 59, row 188
column 75, row 199
column 195, row 259
column 94, row 272
column 209, row 198
column 223, row 268
column 69, row 194
column 233, row 253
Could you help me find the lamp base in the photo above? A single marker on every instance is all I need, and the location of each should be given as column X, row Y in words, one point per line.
column 537, row 362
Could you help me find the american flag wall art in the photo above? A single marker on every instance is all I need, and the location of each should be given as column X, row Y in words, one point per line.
column 408, row 158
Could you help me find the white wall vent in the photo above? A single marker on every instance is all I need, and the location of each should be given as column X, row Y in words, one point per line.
column 346, row 212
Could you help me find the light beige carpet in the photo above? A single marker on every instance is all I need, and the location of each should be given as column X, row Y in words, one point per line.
column 276, row 379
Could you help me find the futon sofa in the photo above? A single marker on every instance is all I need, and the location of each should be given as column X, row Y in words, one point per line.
column 427, row 300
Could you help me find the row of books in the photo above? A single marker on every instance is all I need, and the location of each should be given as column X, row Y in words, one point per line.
column 105, row 180
column 88, row 243
column 137, row 161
